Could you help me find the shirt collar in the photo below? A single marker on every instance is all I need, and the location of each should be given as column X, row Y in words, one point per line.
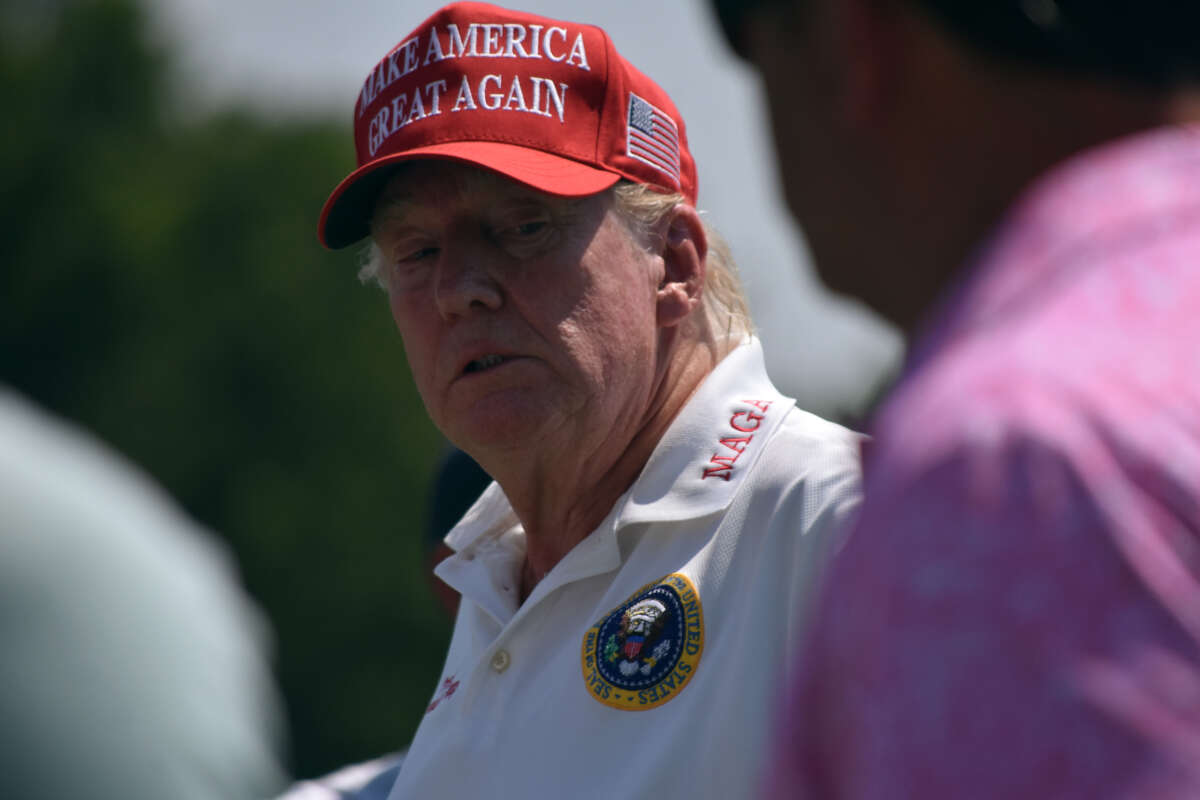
column 695, row 470
column 692, row 473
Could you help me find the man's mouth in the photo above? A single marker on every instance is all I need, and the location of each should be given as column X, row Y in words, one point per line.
column 486, row 362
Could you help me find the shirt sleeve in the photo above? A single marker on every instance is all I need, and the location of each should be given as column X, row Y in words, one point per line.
column 984, row 634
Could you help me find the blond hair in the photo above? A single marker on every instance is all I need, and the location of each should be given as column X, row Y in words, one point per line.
column 723, row 301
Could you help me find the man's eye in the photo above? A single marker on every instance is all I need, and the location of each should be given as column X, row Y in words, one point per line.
column 419, row 254
column 530, row 228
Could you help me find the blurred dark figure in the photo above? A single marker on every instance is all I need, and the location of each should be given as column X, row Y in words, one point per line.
column 132, row 665
column 1017, row 184
column 456, row 487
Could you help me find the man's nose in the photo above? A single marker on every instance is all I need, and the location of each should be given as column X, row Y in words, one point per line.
column 465, row 282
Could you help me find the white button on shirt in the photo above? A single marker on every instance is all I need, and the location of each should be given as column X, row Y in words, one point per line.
column 652, row 654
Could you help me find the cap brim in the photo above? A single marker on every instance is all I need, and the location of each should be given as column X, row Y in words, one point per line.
column 346, row 216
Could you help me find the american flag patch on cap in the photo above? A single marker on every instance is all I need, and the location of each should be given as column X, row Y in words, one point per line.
column 652, row 137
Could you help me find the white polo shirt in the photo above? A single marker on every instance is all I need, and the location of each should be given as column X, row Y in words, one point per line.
column 648, row 662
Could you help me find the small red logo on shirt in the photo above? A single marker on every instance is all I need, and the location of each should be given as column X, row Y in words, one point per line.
column 744, row 424
column 444, row 691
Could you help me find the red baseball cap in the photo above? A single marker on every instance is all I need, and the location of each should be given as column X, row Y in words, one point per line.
column 550, row 104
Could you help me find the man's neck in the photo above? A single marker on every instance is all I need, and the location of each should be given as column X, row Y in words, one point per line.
column 1008, row 132
column 562, row 491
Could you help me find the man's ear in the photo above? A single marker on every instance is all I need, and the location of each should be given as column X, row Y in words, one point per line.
column 684, row 250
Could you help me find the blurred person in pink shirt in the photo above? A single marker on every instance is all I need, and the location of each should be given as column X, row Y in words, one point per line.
column 1016, row 185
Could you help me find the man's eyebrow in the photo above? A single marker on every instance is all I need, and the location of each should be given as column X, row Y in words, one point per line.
column 393, row 207
column 396, row 204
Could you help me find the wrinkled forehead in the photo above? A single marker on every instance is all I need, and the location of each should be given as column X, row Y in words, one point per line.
column 433, row 185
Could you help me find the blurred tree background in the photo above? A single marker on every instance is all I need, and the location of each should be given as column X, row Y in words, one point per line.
column 163, row 286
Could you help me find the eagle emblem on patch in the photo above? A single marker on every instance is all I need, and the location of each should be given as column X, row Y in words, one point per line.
column 642, row 653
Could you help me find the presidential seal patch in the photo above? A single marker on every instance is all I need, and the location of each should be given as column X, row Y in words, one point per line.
column 646, row 650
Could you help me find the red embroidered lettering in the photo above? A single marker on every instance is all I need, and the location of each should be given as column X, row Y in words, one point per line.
column 743, row 422
column 448, row 687
column 723, row 469
column 737, row 444
column 761, row 405
column 750, row 416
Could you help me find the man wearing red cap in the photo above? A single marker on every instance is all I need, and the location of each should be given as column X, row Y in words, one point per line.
column 1017, row 612
column 634, row 579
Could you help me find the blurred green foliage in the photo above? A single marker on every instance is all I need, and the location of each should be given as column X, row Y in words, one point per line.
column 163, row 286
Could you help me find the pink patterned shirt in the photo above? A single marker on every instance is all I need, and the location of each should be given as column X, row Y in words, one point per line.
column 1017, row 613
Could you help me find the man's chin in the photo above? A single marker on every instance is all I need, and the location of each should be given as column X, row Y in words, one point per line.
column 497, row 428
